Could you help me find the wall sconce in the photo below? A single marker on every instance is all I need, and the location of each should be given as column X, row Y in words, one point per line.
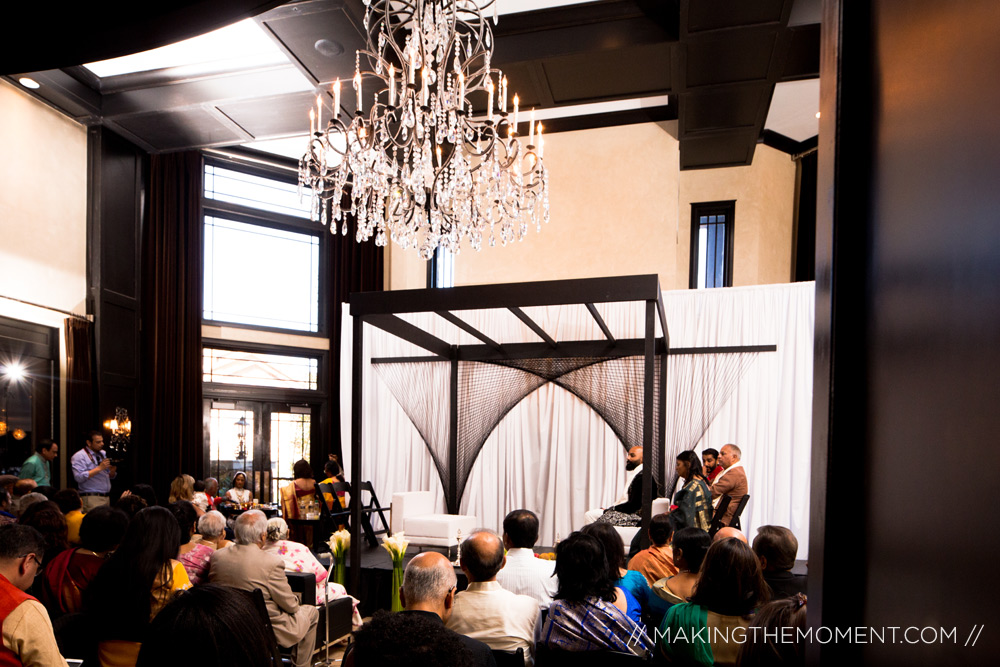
column 121, row 432
column 19, row 434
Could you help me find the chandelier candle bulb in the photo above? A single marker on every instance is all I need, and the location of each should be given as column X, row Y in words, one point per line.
column 503, row 95
column 336, row 98
column 515, row 113
column 531, row 127
column 392, row 85
column 461, row 89
column 357, row 86
column 489, row 99
column 541, row 142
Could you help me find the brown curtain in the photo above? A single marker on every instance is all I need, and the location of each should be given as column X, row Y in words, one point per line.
column 353, row 267
column 81, row 413
column 172, row 440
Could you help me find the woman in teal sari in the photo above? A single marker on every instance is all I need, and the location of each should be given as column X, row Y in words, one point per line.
column 709, row 629
column 692, row 506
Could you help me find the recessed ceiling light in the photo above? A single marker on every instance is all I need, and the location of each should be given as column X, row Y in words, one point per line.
column 817, row 114
column 29, row 82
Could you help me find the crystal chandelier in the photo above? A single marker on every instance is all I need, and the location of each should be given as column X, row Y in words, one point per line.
column 414, row 164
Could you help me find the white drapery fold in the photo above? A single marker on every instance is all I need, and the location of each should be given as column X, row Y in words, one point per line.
column 555, row 455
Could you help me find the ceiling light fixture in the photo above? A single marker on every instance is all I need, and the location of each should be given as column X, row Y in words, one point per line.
column 418, row 167
column 28, row 82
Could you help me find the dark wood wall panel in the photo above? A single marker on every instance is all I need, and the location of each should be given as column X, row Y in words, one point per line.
column 117, row 185
column 907, row 332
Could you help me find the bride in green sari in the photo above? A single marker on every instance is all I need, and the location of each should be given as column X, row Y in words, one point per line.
column 692, row 506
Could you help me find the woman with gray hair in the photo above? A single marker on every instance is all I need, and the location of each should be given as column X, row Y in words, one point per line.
column 212, row 528
column 298, row 558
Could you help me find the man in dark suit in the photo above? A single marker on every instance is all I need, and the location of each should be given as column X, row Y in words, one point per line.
column 776, row 548
column 627, row 509
column 731, row 482
column 246, row 566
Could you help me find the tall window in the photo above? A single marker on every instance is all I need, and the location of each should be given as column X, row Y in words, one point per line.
column 262, row 254
column 712, row 244
column 441, row 269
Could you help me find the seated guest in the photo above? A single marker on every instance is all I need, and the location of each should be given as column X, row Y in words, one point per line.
column 523, row 573
column 46, row 490
column 69, row 573
column 587, row 613
column 218, row 624
column 130, row 504
column 627, row 510
column 407, row 639
column 298, row 558
column 212, row 530
column 732, row 481
column 182, row 488
column 729, row 590
column 245, row 566
column 297, row 496
column 710, row 459
column 7, row 483
column 71, row 505
column 776, row 547
column 193, row 555
column 334, row 473
column 139, row 578
column 692, row 506
column 657, row 561
column 428, row 593
column 200, row 499
column 727, row 532
column 638, row 596
column 767, row 646
column 690, row 546
column 146, row 492
column 239, row 494
column 46, row 518
column 6, row 516
column 27, row 633
column 22, row 487
column 502, row 620
column 27, row 500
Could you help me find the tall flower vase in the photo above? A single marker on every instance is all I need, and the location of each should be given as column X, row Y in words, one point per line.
column 397, row 584
column 339, row 543
column 339, row 570
column 396, row 546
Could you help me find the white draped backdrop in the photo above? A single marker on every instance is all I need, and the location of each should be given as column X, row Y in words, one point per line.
column 554, row 455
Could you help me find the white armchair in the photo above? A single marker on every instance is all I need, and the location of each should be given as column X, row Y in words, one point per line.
column 413, row 513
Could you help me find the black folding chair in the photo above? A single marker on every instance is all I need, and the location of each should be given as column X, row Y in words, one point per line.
column 735, row 523
column 720, row 510
column 372, row 506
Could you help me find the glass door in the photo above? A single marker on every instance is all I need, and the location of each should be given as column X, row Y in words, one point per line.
column 261, row 439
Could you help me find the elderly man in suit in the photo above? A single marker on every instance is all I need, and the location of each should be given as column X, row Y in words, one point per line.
column 731, row 482
column 247, row 566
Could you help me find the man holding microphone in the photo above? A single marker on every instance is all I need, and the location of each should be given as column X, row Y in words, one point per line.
column 93, row 472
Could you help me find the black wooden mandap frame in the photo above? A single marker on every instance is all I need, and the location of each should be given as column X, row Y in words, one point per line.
column 381, row 310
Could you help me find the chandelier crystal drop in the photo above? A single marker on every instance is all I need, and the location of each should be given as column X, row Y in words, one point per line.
column 414, row 164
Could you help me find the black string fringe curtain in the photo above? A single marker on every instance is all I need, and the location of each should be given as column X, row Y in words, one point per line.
column 698, row 386
column 352, row 267
column 171, row 438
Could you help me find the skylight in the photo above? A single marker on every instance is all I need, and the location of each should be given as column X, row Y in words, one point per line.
column 241, row 41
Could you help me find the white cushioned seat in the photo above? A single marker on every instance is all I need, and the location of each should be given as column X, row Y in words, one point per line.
column 413, row 513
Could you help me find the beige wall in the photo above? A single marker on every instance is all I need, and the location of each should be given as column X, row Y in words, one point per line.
column 43, row 218
column 620, row 206
column 43, row 203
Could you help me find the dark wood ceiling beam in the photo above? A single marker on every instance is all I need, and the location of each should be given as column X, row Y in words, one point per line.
column 469, row 329
column 600, row 322
column 540, row 332
column 408, row 332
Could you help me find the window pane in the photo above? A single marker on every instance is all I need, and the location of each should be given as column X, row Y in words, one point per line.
column 259, row 370
column 231, row 446
column 289, row 443
column 702, row 254
column 248, row 190
column 261, row 276
column 720, row 259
